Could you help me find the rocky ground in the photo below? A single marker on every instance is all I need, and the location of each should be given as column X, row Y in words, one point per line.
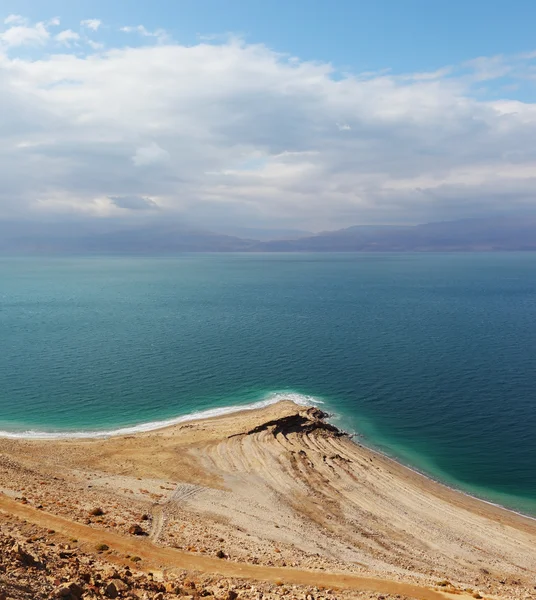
column 36, row 564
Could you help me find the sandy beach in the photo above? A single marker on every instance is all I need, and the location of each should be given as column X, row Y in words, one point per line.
column 275, row 497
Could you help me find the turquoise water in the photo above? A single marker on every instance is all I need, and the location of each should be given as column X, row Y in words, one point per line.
column 431, row 357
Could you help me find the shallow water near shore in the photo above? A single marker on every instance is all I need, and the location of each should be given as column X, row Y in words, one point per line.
column 432, row 357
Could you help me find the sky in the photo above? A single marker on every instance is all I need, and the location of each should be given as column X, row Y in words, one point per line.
column 304, row 114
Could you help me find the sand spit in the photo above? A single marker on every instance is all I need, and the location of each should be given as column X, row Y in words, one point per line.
column 275, row 496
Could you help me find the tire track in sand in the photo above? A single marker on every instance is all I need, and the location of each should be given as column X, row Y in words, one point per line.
column 157, row 525
column 182, row 492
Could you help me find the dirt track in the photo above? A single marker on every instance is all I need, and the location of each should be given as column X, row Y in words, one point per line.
column 166, row 558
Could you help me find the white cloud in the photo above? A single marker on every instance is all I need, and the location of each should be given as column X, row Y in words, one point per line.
column 150, row 155
column 15, row 20
column 94, row 45
column 67, row 37
column 92, row 24
column 139, row 29
column 160, row 34
column 231, row 131
column 22, row 35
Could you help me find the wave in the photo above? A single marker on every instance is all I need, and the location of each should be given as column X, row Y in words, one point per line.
column 269, row 399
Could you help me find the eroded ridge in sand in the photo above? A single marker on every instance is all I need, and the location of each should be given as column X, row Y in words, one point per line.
column 278, row 487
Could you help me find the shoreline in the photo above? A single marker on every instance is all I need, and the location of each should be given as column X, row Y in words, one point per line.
column 452, row 487
column 148, row 426
column 276, row 486
column 298, row 399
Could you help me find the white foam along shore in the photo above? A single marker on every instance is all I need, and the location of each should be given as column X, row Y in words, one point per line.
column 272, row 398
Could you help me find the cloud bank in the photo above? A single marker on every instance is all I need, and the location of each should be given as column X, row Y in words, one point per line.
column 232, row 132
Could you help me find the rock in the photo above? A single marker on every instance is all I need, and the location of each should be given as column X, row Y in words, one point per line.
column 232, row 595
column 110, row 573
column 115, row 587
column 111, row 591
column 70, row 591
column 76, row 589
column 220, row 554
column 158, row 596
column 24, row 557
column 136, row 530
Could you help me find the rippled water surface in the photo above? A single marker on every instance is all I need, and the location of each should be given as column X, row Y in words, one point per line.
column 431, row 357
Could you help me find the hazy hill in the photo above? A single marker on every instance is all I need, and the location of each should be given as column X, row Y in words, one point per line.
column 109, row 236
column 494, row 233
column 159, row 237
column 265, row 234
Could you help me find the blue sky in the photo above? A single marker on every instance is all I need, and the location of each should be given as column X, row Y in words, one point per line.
column 402, row 35
column 308, row 114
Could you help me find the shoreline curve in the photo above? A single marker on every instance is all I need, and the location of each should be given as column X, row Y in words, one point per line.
column 272, row 399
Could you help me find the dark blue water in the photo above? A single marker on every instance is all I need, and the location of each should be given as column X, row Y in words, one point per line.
column 432, row 357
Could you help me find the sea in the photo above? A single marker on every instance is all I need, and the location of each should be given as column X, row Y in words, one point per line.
column 429, row 358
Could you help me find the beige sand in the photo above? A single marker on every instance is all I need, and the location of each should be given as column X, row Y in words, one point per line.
column 277, row 487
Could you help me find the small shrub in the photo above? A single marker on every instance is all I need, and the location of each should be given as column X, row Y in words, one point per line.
column 102, row 547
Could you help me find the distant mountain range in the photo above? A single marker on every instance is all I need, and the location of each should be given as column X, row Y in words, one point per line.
column 109, row 236
column 485, row 234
